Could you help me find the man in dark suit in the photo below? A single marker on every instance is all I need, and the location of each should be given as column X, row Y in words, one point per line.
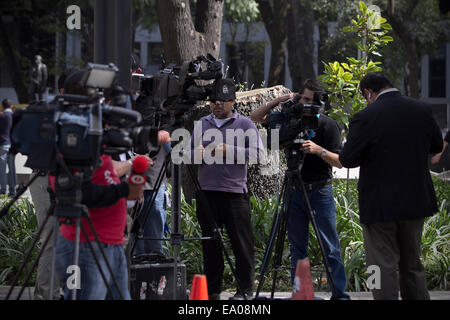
column 390, row 140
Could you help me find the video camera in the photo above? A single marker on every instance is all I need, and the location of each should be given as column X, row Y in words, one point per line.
column 166, row 97
column 74, row 130
column 296, row 119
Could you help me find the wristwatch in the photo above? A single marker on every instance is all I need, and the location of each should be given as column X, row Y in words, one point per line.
column 322, row 154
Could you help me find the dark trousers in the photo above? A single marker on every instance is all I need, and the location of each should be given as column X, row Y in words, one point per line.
column 231, row 210
column 395, row 247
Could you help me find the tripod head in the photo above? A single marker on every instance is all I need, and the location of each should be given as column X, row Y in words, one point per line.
column 294, row 154
column 68, row 195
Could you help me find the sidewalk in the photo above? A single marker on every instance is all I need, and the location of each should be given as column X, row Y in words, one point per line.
column 434, row 295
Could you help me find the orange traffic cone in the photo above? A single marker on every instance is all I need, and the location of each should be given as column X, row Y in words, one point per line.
column 303, row 287
column 199, row 289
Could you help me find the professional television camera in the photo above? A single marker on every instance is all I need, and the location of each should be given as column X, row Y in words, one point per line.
column 166, row 97
column 296, row 119
column 73, row 130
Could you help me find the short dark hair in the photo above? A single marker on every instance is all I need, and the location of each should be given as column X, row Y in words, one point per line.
column 6, row 103
column 375, row 81
column 312, row 85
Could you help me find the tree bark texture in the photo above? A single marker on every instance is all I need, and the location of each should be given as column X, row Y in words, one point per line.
column 182, row 38
column 274, row 14
column 401, row 22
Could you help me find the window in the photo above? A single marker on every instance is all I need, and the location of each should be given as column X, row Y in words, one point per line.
column 437, row 74
column 155, row 53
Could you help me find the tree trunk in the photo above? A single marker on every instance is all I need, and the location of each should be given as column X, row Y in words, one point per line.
column 274, row 18
column 300, row 42
column 400, row 25
column 12, row 64
column 412, row 55
column 182, row 40
column 322, row 53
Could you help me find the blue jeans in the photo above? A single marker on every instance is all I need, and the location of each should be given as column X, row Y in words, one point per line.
column 3, row 160
column 154, row 227
column 322, row 202
column 12, row 178
column 92, row 285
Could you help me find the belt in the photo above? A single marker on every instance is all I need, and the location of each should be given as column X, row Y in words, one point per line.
column 317, row 184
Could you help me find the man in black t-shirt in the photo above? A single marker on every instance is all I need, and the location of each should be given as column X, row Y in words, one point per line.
column 321, row 153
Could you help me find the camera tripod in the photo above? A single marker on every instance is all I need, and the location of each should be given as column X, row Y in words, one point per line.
column 176, row 236
column 292, row 180
column 65, row 206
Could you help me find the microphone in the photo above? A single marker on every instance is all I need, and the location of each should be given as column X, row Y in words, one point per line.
column 138, row 168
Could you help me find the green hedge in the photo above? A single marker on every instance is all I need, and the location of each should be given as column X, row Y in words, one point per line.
column 18, row 228
column 435, row 240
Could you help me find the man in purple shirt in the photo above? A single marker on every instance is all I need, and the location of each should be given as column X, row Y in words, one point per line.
column 223, row 143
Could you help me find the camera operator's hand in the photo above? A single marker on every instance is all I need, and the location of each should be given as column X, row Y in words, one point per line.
column 163, row 137
column 221, row 147
column 260, row 114
column 286, row 97
column 199, row 152
column 310, row 147
column 329, row 157
column 151, row 163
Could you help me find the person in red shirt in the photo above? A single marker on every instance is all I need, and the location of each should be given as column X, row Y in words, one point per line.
column 109, row 223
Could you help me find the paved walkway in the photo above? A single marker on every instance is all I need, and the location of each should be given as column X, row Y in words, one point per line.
column 435, row 295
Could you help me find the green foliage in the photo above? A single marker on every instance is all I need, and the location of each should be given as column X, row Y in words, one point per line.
column 241, row 11
column 17, row 231
column 18, row 228
column 342, row 79
column 189, row 251
column 436, row 240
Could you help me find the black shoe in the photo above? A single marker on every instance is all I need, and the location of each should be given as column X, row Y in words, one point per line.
column 239, row 296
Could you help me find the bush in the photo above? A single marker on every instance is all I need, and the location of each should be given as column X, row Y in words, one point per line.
column 17, row 231
column 435, row 242
column 18, row 228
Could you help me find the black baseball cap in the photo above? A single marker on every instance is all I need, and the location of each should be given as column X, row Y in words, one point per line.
column 223, row 90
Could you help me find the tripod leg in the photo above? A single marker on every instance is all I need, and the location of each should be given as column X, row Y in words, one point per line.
column 227, row 257
column 146, row 214
column 55, row 243
column 76, row 252
column 176, row 221
column 319, row 239
column 272, row 238
column 217, row 231
column 91, row 226
column 27, row 256
column 30, row 272
column 108, row 287
column 282, row 232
